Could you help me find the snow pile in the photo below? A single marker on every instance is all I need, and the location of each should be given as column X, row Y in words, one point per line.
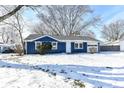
column 104, row 70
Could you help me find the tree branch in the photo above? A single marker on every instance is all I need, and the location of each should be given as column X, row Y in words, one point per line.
column 2, row 18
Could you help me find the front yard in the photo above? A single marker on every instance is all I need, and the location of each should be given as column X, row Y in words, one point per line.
column 104, row 70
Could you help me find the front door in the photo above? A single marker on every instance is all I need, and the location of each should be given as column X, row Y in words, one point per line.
column 68, row 47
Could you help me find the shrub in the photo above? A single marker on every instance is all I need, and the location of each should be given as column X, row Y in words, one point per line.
column 93, row 50
column 18, row 49
column 78, row 83
column 44, row 48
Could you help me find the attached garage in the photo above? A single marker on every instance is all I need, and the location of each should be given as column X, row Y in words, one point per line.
column 92, row 46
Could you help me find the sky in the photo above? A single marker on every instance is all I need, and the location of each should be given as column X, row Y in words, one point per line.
column 108, row 13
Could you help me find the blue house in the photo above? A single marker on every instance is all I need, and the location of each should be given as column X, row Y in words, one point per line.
column 61, row 44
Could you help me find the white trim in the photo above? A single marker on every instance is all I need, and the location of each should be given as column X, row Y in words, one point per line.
column 56, row 45
column 26, row 47
column 36, row 44
column 78, row 45
column 68, row 41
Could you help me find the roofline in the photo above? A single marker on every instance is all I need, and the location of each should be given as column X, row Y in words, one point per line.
column 41, row 37
column 61, row 40
column 70, row 41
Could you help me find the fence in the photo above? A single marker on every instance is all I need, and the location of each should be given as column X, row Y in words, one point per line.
column 110, row 48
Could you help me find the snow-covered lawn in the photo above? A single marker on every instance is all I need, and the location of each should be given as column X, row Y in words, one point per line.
column 102, row 70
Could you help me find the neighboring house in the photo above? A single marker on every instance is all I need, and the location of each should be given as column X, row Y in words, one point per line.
column 61, row 44
column 122, row 45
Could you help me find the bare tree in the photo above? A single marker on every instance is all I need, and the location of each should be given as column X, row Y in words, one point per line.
column 18, row 27
column 8, row 35
column 5, row 36
column 113, row 31
column 16, row 22
column 65, row 20
column 9, row 14
column 89, row 33
column 14, row 19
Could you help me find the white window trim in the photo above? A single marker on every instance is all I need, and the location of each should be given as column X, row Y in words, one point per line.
column 78, row 45
column 55, row 47
column 36, row 44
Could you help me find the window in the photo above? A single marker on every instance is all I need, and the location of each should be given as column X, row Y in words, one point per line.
column 38, row 43
column 78, row 45
column 54, row 45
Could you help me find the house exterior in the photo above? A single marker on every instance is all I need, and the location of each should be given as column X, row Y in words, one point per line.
column 60, row 44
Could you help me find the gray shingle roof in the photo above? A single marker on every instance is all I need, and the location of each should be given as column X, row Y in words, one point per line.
column 35, row 36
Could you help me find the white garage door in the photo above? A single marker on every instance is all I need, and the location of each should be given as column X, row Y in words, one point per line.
column 92, row 45
column 121, row 45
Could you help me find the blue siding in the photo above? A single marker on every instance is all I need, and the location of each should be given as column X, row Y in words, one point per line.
column 84, row 50
column 61, row 46
column 30, row 48
column 31, row 45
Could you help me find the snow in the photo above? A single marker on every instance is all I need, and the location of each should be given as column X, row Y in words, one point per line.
column 112, row 43
column 100, row 70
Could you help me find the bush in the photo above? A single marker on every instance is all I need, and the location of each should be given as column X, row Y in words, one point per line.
column 18, row 49
column 44, row 48
column 93, row 50
column 78, row 83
